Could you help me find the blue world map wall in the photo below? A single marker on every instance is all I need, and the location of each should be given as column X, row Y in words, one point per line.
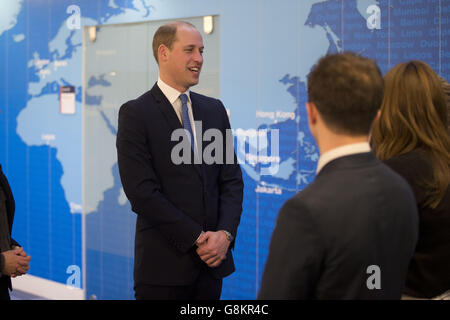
column 267, row 50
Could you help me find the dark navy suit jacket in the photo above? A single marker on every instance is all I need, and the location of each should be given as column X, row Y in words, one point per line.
column 355, row 215
column 174, row 203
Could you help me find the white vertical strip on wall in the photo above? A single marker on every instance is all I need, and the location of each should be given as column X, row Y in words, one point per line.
column 389, row 34
column 342, row 26
column 83, row 137
column 440, row 37
column 258, row 61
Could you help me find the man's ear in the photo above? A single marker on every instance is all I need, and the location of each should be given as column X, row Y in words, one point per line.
column 312, row 117
column 311, row 110
column 163, row 53
column 377, row 117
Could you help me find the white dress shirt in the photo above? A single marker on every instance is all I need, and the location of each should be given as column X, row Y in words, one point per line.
column 346, row 150
column 173, row 95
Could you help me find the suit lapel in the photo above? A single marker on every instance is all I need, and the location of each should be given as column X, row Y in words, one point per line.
column 166, row 109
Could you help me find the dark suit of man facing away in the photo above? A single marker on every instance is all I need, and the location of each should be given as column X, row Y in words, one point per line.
column 188, row 213
column 352, row 232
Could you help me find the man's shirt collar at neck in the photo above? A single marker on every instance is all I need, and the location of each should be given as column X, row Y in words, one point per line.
column 339, row 152
column 171, row 94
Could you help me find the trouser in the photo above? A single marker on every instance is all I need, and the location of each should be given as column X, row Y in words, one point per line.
column 206, row 287
column 4, row 288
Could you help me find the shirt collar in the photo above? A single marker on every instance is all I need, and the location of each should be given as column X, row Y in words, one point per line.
column 171, row 94
column 346, row 150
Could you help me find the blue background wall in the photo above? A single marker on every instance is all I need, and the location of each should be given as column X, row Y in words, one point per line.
column 267, row 49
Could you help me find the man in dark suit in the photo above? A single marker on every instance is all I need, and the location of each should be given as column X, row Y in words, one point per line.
column 188, row 211
column 351, row 233
column 13, row 259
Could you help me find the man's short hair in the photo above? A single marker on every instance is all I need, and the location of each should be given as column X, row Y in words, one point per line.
column 167, row 35
column 347, row 90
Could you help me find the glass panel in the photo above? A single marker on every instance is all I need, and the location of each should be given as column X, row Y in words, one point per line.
column 119, row 66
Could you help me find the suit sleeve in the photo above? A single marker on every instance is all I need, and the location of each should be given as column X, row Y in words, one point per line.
column 231, row 186
column 2, row 263
column 141, row 184
column 294, row 261
column 14, row 243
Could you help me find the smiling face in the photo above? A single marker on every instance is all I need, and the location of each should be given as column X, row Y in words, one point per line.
column 180, row 66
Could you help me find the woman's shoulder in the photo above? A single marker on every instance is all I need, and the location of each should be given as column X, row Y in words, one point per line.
column 414, row 157
column 413, row 165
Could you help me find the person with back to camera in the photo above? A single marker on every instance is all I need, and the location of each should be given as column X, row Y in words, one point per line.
column 411, row 137
column 351, row 233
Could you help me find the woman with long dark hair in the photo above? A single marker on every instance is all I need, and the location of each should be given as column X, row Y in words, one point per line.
column 411, row 137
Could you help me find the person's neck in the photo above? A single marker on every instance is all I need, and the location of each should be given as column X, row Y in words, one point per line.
column 329, row 141
column 170, row 83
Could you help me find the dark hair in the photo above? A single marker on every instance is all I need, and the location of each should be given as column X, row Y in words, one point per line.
column 414, row 116
column 347, row 90
column 167, row 35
